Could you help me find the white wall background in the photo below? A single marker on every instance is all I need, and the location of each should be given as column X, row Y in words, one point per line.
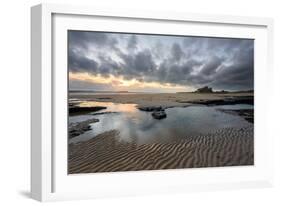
column 15, row 95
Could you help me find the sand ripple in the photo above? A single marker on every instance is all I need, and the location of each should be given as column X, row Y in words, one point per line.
column 106, row 153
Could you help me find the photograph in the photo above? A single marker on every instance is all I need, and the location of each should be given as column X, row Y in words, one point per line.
column 139, row 101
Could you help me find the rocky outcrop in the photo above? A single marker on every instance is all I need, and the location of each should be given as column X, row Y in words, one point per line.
column 247, row 114
column 226, row 101
column 151, row 109
column 76, row 129
column 102, row 113
column 80, row 110
column 159, row 114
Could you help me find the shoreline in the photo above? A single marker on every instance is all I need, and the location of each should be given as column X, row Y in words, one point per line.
column 164, row 100
column 158, row 110
column 106, row 152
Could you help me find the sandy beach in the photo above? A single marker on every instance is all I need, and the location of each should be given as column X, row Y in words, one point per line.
column 104, row 153
column 160, row 99
column 108, row 152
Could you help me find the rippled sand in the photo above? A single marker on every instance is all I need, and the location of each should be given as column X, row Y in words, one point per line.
column 107, row 153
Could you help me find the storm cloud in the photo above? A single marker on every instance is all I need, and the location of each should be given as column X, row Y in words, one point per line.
column 222, row 63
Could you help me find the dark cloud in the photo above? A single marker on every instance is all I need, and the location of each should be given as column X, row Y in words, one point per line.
column 211, row 65
column 193, row 61
column 107, row 66
column 138, row 65
column 143, row 62
column 84, row 40
column 80, row 63
column 171, row 72
column 132, row 43
column 177, row 52
column 239, row 75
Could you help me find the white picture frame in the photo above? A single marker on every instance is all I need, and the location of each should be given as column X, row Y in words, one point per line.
column 49, row 181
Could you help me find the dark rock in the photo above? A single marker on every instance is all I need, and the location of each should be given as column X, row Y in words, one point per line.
column 151, row 109
column 247, row 114
column 103, row 98
column 159, row 114
column 76, row 129
column 79, row 110
column 226, row 101
column 101, row 113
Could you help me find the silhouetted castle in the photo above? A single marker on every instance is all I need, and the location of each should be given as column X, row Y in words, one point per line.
column 205, row 89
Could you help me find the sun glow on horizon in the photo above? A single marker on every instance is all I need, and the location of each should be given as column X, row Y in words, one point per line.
column 119, row 83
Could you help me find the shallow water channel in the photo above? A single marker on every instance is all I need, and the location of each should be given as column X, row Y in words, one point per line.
column 141, row 127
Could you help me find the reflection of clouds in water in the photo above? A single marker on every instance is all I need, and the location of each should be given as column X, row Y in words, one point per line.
column 128, row 108
column 140, row 127
column 118, row 122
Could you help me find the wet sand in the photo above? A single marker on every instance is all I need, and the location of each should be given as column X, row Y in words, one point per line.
column 107, row 153
column 159, row 99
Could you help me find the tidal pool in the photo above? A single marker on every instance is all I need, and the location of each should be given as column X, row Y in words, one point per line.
column 140, row 127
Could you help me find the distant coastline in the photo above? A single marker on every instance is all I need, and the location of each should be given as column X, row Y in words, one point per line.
column 95, row 91
column 145, row 92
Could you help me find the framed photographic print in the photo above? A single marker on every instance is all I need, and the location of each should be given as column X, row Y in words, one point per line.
column 134, row 102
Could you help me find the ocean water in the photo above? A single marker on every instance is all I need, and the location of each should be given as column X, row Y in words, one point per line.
column 140, row 127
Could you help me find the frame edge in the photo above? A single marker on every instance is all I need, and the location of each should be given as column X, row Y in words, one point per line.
column 36, row 138
column 39, row 178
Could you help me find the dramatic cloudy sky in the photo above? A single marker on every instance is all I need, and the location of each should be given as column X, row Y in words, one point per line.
column 153, row 63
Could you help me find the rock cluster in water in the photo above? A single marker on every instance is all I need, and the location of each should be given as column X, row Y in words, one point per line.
column 158, row 112
column 76, row 129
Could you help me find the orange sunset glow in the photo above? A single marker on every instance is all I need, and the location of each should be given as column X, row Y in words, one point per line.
column 119, row 83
